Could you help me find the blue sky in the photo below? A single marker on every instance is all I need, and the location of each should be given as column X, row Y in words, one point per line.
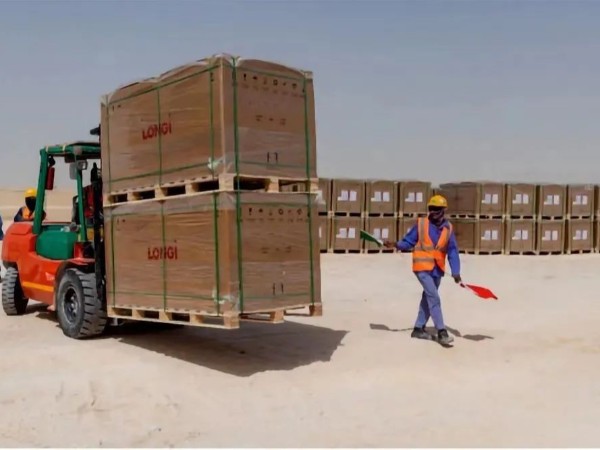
column 437, row 90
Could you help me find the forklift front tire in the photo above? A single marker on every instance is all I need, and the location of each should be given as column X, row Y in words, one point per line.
column 14, row 301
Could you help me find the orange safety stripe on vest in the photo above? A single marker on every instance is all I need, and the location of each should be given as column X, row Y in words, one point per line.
column 26, row 213
column 425, row 254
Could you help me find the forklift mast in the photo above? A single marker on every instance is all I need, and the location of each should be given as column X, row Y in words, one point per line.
column 100, row 261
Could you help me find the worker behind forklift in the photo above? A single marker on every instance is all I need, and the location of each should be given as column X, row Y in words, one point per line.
column 26, row 213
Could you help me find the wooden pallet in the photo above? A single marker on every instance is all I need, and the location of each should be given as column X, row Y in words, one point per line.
column 376, row 215
column 413, row 215
column 343, row 251
column 224, row 182
column 546, row 253
column 226, row 321
column 579, row 252
column 345, row 214
column 380, row 250
column 509, row 217
column 315, row 310
column 586, row 217
column 521, row 253
column 551, row 218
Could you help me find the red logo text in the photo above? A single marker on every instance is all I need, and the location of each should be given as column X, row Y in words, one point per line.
column 153, row 131
column 158, row 253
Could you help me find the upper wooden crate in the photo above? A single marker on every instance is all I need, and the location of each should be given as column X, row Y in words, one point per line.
column 217, row 115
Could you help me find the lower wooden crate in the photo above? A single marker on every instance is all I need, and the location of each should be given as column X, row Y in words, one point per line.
column 345, row 234
column 383, row 228
column 480, row 237
column 519, row 237
column 221, row 254
column 550, row 237
column 579, row 236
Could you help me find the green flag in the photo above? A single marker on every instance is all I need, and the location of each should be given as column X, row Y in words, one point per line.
column 369, row 237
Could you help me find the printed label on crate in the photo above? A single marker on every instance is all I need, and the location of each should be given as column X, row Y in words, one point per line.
column 550, row 235
column 521, row 199
column 377, row 233
column 490, row 199
column 320, row 232
column 552, row 200
column 581, row 200
column 554, row 235
column 386, row 197
column 580, row 235
column 385, row 233
column 351, row 233
column 343, row 196
column 342, row 233
column 490, row 235
column 353, row 196
column 520, row 235
column 376, row 196
column 414, row 197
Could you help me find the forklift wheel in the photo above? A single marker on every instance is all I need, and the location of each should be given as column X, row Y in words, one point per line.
column 14, row 301
column 79, row 310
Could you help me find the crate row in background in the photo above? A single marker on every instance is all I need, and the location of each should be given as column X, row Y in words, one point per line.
column 341, row 234
column 345, row 197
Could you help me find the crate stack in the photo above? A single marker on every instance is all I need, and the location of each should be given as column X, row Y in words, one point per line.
column 413, row 196
column 520, row 219
column 346, row 215
column 209, row 194
column 551, row 201
column 380, row 213
column 579, row 230
column 476, row 210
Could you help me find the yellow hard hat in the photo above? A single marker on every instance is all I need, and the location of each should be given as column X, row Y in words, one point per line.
column 30, row 193
column 439, row 201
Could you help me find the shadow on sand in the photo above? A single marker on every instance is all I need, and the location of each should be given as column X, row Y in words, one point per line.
column 251, row 349
column 453, row 331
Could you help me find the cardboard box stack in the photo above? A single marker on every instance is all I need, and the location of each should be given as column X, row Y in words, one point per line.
column 520, row 227
column 380, row 217
column 580, row 219
column 202, row 218
column 551, row 212
column 347, row 204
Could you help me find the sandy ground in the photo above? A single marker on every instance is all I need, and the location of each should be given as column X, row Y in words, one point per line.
column 524, row 371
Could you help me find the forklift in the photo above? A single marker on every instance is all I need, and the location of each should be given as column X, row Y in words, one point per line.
column 62, row 264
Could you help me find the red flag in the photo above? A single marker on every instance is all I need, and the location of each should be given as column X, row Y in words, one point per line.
column 480, row 291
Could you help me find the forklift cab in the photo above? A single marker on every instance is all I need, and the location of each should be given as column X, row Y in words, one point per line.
column 63, row 240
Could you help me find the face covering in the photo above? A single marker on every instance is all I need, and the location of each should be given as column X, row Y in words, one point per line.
column 30, row 203
column 436, row 217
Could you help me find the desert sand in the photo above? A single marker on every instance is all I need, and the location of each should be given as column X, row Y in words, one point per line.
column 523, row 370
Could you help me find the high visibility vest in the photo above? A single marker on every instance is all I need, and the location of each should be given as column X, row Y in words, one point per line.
column 26, row 213
column 426, row 255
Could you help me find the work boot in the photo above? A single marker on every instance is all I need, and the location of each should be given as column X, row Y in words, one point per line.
column 420, row 333
column 444, row 338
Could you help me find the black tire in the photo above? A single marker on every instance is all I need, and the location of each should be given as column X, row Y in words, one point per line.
column 14, row 301
column 80, row 312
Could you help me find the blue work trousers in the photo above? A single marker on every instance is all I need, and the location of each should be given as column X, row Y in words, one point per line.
column 431, row 304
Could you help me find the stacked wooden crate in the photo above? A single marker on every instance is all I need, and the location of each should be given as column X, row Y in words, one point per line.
column 476, row 210
column 551, row 219
column 520, row 219
column 347, row 205
column 380, row 216
column 579, row 235
column 413, row 196
column 209, row 194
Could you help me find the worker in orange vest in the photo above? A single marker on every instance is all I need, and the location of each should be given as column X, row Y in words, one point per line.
column 26, row 213
column 431, row 240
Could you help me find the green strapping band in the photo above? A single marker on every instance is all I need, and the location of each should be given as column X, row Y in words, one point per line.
column 310, row 218
column 214, row 199
column 238, row 206
column 160, row 162
column 112, row 256
column 164, row 260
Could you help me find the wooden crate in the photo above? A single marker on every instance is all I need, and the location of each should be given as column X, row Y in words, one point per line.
column 580, row 201
column 217, row 115
column 347, row 197
column 380, row 198
column 519, row 237
column 474, row 200
column 551, row 201
column 413, row 197
column 490, row 237
column 383, row 228
column 345, row 234
column 221, row 254
column 550, row 237
column 404, row 225
column 579, row 236
column 465, row 231
column 521, row 201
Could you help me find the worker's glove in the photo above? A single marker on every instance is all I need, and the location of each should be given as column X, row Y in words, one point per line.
column 457, row 279
column 388, row 244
